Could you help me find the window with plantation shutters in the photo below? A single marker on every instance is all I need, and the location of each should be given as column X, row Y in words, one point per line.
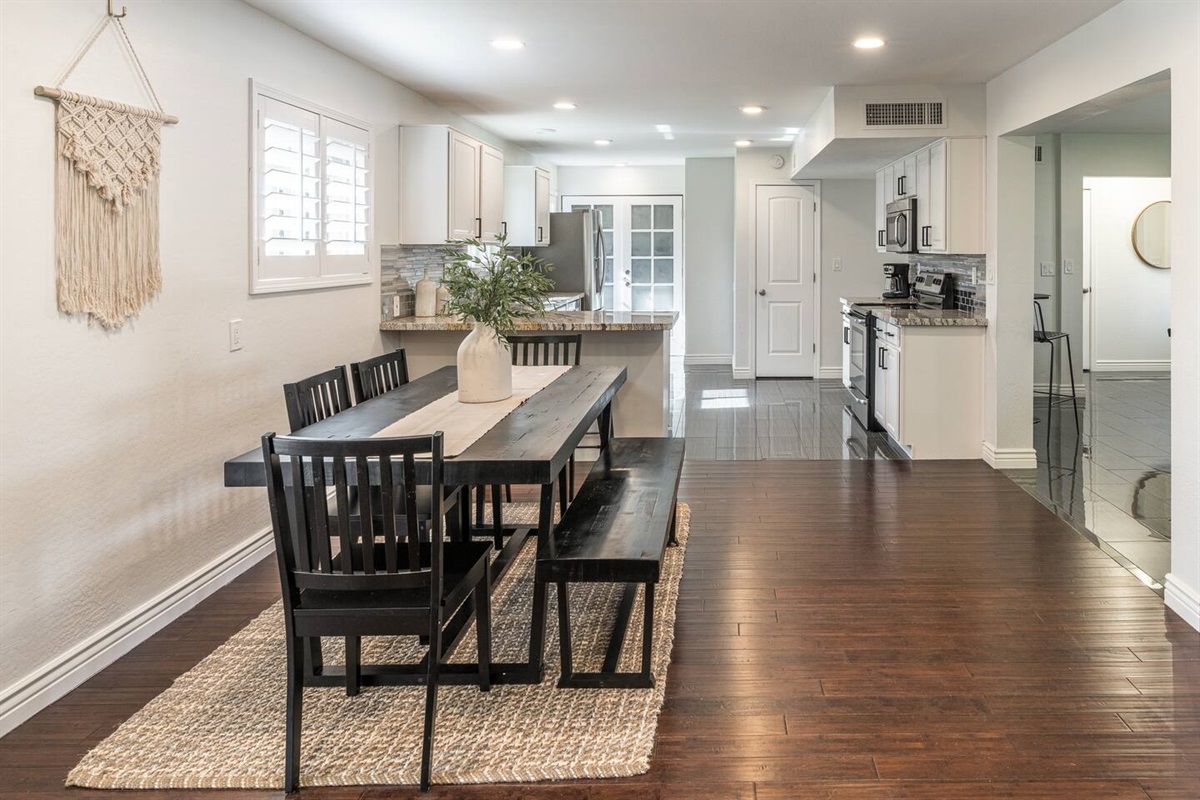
column 311, row 196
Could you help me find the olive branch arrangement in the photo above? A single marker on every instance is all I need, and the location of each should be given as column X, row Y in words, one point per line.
column 491, row 285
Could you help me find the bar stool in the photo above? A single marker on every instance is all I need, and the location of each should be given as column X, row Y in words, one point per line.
column 1054, row 339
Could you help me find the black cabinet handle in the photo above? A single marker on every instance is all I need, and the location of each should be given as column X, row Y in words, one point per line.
column 479, row 227
column 882, row 358
column 881, row 242
column 899, row 183
column 503, row 228
column 845, row 336
column 539, row 233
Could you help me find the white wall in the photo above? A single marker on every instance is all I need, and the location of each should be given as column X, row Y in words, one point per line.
column 666, row 179
column 847, row 231
column 1131, row 302
column 111, row 444
column 708, row 201
column 1131, row 41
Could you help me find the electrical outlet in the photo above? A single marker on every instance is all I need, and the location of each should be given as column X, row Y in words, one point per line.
column 991, row 276
column 395, row 305
column 1068, row 266
column 235, row 335
column 1047, row 269
column 837, row 265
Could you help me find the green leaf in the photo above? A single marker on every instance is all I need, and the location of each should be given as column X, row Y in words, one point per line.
column 490, row 284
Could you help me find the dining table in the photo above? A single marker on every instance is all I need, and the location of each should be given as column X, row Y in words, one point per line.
column 530, row 445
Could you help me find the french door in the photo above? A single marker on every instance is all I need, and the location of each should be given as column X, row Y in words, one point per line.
column 643, row 243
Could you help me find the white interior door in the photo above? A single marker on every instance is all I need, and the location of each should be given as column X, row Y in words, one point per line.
column 785, row 265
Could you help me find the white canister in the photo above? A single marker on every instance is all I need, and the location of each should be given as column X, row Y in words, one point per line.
column 426, row 297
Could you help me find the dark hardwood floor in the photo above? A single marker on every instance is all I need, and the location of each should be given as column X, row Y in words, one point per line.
column 877, row 630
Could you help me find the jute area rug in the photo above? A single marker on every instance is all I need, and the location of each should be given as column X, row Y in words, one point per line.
column 221, row 725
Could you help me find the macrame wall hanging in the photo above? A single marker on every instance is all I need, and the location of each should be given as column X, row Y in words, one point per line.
column 106, row 196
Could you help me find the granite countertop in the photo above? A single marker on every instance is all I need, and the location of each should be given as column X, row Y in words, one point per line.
column 930, row 317
column 552, row 321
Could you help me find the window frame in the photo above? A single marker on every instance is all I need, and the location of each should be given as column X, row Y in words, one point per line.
column 326, row 277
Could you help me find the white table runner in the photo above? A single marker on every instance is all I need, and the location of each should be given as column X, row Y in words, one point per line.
column 463, row 423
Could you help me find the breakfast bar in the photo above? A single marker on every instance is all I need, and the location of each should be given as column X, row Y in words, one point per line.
column 639, row 342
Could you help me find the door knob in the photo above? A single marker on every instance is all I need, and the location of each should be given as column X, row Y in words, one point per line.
column 762, row 292
column 1086, row 290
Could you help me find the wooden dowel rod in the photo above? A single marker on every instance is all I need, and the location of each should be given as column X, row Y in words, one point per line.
column 55, row 94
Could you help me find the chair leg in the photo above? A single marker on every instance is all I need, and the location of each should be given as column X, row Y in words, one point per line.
column 562, row 493
column 672, row 541
column 1071, row 369
column 648, row 630
column 508, row 492
column 479, row 490
column 497, row 519
column 483, row 630
column 571, row 478
column 353, row 673
column 295, row 707
column 435, row 649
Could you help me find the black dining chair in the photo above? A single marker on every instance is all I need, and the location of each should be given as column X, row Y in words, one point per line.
column 380, row 374
column 529, row 350
column 376, row 578
column 315, row 398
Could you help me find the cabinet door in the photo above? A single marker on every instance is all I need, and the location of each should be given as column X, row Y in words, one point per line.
column 906, row 176
column 891, row 416
column 880, row 393
column 881, row 189
column 491, row 193
column 936, row 204
column 464, row 187
column 922, row 190
column 889, row 178
column 541, row 205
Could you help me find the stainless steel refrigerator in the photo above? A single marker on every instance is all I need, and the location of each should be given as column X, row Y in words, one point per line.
column 576, row 251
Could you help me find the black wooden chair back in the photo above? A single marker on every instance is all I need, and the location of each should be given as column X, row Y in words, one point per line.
column 377, row 551
column 536, row 351
column 313, row 399
column 380, row 374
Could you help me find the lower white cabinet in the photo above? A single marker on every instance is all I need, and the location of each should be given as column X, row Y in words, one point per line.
column 929, row 389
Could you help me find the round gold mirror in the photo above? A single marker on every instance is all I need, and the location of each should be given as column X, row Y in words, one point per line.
column 1152, row 235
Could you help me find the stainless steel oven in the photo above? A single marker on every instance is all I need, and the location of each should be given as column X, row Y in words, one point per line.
column 858, row 338
column 902, row 226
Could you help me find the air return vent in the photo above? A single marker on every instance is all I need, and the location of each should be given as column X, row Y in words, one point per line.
column 909, row 114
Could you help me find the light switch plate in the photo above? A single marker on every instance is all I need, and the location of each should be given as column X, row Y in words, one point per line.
column 396, row 305
column 235, row 335
column 837, row 265
column 1047, row 269
column 1068, row 266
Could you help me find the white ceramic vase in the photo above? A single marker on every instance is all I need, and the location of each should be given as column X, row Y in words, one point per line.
column 484, row 367
column 426, row 297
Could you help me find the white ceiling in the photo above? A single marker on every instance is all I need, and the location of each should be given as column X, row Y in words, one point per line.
column 1150, row 114
column 634, row 64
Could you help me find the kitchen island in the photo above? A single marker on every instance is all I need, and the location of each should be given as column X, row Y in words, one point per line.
column 640, row 342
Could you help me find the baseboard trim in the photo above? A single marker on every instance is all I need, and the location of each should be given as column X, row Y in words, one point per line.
column 830, row 372
column 1155, row 365
column 1009, row 457
column 1063, row 389
column 1183, row 600
column 743, row 373
column 707, row 360
column 62, row 674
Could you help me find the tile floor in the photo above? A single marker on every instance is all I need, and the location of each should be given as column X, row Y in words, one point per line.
column 749, row 420
column 1111, row 479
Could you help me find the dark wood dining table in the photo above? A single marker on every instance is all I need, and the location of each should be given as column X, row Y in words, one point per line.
column 529, row 446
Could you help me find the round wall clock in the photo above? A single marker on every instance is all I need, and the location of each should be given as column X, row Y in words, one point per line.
column 777, row 161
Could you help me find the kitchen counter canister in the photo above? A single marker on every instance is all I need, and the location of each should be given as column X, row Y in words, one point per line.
column 554, row 321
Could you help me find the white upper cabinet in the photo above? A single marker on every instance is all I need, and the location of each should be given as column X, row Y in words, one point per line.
column 882, row 179
column 527, row 206
column 451, row 186
column 947, row 180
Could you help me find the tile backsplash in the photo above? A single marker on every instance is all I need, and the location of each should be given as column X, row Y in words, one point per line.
column 401, row 266
column 967, row 269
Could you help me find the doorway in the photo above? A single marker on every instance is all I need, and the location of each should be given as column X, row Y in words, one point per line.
column 786, row 315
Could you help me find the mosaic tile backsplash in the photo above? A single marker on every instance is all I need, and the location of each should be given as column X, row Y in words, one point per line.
column 968, row 295
column 401, row 266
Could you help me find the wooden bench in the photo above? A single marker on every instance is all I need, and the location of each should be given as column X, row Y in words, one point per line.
column 616, row 530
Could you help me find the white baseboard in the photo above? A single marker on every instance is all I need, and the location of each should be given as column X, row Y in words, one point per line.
column 1183, row 600
column 1009, row 457
column 1156, row 365
column 690, row 360
column 65, row 672
column 743, row 373
column 1063, row 389
column 830, row 372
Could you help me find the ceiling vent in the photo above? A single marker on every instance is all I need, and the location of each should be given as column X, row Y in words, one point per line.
column 907, row 114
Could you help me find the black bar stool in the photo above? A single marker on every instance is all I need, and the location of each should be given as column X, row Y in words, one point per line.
column 1054, row 339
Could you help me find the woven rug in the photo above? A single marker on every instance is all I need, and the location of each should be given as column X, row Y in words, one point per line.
column 221, row 724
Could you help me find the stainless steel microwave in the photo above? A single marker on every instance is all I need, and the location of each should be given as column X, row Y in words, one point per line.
column 902, row 226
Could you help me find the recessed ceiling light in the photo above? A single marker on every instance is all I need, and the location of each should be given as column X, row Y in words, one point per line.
column 603, row 142
column 663, row 128
column 792, row 131
column 508, row 43
column 868, row 43
column 545, row 131
column 752, row 110
column 565, row 105
column 787, row 137
column 743, row 143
